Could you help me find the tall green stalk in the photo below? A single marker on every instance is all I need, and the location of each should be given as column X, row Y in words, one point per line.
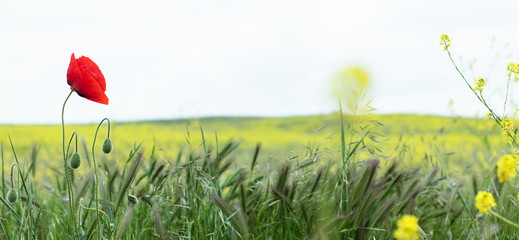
column 70, row 190
column 95, row 174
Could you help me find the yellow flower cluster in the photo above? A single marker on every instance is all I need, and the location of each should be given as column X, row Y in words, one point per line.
column 484, row 201
column 513, row 68
column 480, row 84
column 506, row 167
column 508, row 128
column 445, row 41
column 407, row 228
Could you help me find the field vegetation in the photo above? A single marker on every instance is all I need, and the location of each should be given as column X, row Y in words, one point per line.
column 337, row 176
column 414, row 140
column 275, row 189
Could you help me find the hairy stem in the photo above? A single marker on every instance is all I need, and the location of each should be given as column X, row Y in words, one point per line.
column 70, row 190
column 95, row 174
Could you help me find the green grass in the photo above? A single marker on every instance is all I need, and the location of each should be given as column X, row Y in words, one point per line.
column 291, row 186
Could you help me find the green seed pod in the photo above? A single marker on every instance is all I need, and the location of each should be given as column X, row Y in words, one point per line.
column 133, row 199
column 75, row 161
column 12, row 195
column 107, row 146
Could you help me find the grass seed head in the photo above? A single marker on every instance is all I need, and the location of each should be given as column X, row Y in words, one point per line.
column 133, row 199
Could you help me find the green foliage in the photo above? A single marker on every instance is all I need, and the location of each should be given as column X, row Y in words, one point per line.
column 199, row 188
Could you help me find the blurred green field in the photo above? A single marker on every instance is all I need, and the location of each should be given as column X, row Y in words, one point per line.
column 458, row 145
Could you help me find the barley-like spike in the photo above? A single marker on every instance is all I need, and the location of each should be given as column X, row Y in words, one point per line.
column 236, row 216
column 255, row 157
column 158, row 221
column 283, row 176
column 243, row 199
column 157, row 172
column 151, row 166
column 111, row 182
column 128, row 179
column 84, row 188
column 34, row 155
column 316, row 182
column 124, row 222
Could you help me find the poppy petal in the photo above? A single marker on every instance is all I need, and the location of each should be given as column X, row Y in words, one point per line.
column 90, row 89
column 87, row 65
column 74, row 77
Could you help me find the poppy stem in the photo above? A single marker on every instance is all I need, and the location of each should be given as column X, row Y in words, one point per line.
column 95, row 172
column 12, row 167
column 74, row 135
column 65, row 166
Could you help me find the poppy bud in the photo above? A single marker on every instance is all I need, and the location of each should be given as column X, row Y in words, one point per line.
column 133, row 199
column 107, row 146
column 75, row 161
column 12, row 195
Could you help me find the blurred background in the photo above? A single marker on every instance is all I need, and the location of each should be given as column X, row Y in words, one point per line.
column 183, row 59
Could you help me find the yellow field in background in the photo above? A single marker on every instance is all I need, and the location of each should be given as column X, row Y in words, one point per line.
column 461, row 145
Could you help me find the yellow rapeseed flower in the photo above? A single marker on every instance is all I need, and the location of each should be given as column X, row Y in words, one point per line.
column 507, row 123
column 513, row 68
column 508, row 128
column 484, row 201
column 480, row 84
column 407, row 228
column 506, row 167
column 446, row 41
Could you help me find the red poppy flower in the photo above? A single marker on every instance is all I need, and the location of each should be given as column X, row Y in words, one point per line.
column 86, row 79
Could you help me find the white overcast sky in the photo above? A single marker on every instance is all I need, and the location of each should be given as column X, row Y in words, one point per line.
column 176, row 59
